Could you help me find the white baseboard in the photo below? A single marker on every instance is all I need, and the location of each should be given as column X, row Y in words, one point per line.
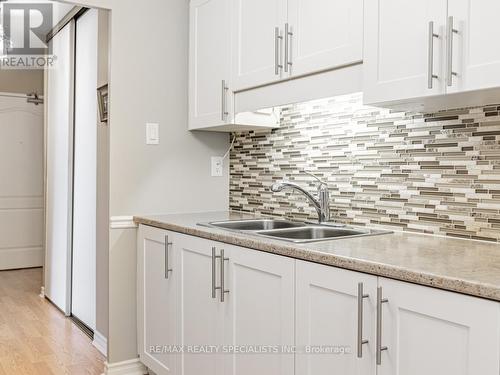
column 130, row 367
column 23, row 257
column 101, row 343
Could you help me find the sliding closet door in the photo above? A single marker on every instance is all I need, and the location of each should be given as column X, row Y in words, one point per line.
column 59, row 154
column 85, row 171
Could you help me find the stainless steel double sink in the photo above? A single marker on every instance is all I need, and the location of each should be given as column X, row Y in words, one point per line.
column 293, row 231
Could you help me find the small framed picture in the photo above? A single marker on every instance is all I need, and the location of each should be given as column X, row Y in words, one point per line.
column 102, row 100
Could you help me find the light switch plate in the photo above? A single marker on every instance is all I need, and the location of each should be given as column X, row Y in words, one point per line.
column 152, row 134
column 217, row 166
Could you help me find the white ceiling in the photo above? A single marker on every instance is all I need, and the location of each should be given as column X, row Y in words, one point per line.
column 60, row 10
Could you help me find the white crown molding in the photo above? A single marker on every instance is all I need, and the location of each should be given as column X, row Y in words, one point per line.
column 101, row 343
column 122, row 222
column 130, row 367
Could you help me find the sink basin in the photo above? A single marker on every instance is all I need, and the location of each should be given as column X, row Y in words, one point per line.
column 313, row 233
column 290, row 231
column 255, row 225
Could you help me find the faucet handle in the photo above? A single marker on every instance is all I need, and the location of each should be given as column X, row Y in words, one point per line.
column 322, row 182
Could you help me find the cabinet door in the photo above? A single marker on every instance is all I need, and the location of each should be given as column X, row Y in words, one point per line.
column 326, row 34
column 209, row 64
column 260, row 313
column 254, row 43
column 475, row 60
column 396, row 49
column 429, row 331
column 202, row 316
column 327, row 318
column 157, row 299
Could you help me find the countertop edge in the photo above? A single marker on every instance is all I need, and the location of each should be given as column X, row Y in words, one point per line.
column 466, row 287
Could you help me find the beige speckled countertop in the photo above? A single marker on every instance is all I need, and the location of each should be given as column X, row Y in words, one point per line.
column 464, row 266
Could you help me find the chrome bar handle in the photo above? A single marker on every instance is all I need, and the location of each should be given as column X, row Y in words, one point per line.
column 449, row 52
column 224, row 111
column 167, row 262
column 277, row 38
column 223, row 291
column 361, row 341
column 288, row 36
column 430, row 69
column 379, row 347
column 214, row 287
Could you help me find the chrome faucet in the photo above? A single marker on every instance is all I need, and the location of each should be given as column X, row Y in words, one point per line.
column 321, row 204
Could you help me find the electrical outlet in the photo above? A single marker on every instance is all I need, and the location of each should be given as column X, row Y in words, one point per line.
column 152, row 134
column 216, row 166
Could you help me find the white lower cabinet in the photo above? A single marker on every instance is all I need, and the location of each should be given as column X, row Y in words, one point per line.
column 243, row 325
column 229, row 310
column 433, row 332
column 329, row 319
column 157, row 289
column 202, row 315
column 260, row 313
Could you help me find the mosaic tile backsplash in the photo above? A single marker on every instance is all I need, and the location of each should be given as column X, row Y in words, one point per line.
column 429, row 173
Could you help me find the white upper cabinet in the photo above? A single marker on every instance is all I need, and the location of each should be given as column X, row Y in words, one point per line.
column 242, row 46
column 275, row 40
column 211, row 97
column 403, row 49
column 418, row 51
column 257, row 54
column 323, row 34
column 475, row 56
column 210, row 102
column 429, row 331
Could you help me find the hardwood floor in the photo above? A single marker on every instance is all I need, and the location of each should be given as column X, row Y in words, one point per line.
column 35, row 337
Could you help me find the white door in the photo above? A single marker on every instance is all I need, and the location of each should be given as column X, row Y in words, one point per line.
column 202, row 313
column 328, row 313
column 157, row 292
column 255, row 49
column 21, row 183
column 433, row 332
column 59, row 151
column 83, row 296
column 397, row 49
column 209, row 63
column 475, row 61
column 325, row 34
column 260, row 312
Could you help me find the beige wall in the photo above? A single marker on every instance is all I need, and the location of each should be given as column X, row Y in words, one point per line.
column 148, row 83
column 21, row 81
column 102, row 230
